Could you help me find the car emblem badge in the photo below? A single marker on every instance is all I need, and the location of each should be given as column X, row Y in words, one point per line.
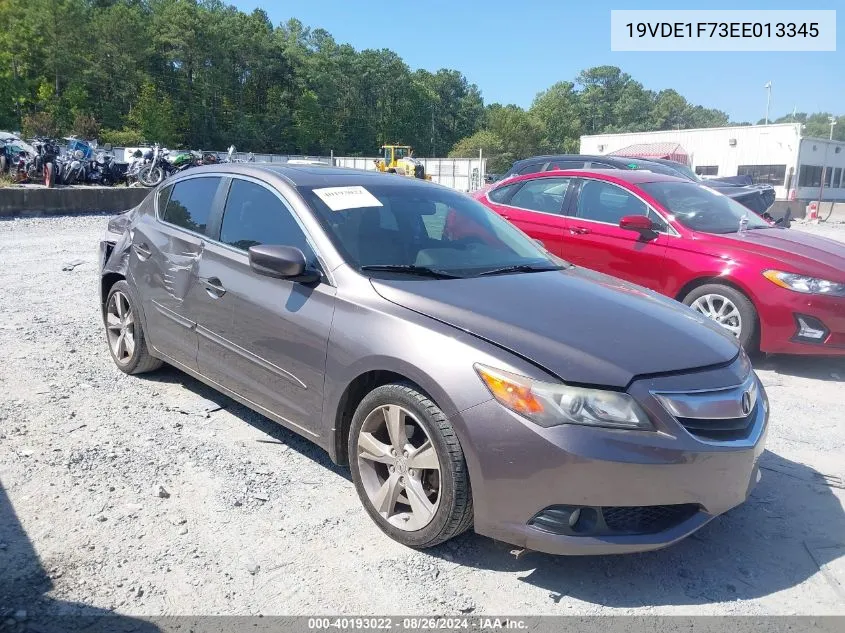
column 746, row 403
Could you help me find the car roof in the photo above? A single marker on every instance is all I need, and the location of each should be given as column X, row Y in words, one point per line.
column 311, row 175
column 632, row 176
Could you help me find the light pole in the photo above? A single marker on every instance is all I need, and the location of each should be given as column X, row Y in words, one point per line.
column 832, row 121
column 768, row 88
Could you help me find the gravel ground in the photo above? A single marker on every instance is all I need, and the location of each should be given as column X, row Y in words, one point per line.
column 140, row 495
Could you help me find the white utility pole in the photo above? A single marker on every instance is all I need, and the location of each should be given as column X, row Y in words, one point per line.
column 768, row 88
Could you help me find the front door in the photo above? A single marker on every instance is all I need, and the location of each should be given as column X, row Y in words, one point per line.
column 265, row 339
column 595, row 240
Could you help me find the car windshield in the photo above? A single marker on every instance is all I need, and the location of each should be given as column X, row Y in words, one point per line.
column 393, row 228
column 702, row 209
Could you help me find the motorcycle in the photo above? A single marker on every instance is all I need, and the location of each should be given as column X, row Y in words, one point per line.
column 44, row 165
column 75, row 163
column 105, row 170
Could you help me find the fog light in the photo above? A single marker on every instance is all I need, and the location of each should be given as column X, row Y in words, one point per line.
column 810, row 329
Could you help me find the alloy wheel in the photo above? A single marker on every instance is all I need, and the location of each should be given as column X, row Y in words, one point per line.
column 120, row 327
column 399, row 467
column 721, row 310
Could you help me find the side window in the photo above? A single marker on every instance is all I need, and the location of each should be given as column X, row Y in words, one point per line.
column 565, row 164
column 533, row 168
column 163, row 197
column 603, row 202
column 542, row 194
column 501, row 194
column 189, row 205
column 435, row 223
column 254, row 215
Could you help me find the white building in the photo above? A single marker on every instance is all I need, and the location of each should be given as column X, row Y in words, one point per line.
column 776, row 154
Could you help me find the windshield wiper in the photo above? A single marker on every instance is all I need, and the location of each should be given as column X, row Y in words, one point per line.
column 410, row 269
column 519, row 268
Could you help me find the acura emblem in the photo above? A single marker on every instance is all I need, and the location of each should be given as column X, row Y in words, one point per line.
column 746, row 403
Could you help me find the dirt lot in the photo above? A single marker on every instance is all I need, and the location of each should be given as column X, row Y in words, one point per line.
column 252, row 519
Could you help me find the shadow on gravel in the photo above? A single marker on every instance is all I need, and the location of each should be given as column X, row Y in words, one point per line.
column 818, row 368
column 790, row 527
column 276, row 432
column 24, row 583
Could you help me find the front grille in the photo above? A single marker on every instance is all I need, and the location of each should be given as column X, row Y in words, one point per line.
column 717, row 414
column 720, row 430
column 611, row 520
column 646, row 519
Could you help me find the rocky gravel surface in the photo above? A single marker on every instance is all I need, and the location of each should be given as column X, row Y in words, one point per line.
column 154, row 495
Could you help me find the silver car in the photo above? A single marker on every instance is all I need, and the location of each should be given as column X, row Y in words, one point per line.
column 466, row 376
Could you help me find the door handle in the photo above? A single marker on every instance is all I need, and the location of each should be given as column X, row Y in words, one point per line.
column 142, row 250
column 214, row 287
column 579, row 230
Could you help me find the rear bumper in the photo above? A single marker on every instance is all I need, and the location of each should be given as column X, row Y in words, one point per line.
column 779, row 327
column 519, row 469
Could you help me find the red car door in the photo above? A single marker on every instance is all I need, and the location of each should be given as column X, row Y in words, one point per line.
column 595, row 240
column 536, row 207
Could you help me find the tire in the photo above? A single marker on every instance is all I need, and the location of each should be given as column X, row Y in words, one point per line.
column 423, row 524
column 151, row 176
column 49, row 175
column 720, row 295
column 137, row 358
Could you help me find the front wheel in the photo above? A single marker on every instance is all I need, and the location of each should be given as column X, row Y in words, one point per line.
column 729, row 308
column 151, row 176
column 408, row 467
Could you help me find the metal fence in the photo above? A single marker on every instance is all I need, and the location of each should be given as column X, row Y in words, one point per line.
column 463, row 174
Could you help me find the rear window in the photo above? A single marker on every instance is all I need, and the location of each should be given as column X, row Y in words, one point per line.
column 190, row 202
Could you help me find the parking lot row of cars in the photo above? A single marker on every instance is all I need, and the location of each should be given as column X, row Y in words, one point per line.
column 467, row 374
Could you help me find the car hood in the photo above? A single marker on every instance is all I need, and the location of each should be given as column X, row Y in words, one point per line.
column 791, row 250
column 580, row 325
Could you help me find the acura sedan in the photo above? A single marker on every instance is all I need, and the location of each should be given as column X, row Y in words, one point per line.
column 466, row 380
column 777, row 290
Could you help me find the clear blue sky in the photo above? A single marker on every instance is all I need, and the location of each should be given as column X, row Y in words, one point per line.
column 513, row 49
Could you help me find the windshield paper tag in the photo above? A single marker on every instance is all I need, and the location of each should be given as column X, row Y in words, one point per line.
column 342, row 198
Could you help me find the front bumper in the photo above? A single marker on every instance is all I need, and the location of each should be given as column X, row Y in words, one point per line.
column 778, row 313
column 519, row 469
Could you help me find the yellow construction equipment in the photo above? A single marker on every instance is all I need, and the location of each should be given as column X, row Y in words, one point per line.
column 399, row 159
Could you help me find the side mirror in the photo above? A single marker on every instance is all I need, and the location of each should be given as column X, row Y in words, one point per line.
column 639, row 223
column 281, row 262
column 540, row 244
column 108, row 147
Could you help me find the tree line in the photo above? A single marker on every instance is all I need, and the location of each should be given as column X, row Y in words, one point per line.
column 202, row 74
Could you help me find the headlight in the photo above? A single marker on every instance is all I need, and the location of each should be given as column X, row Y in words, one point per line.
column 804, row 284
column 551, row 404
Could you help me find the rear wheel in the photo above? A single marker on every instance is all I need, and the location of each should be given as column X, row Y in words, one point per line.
column 49, row 175
column 127, row 343
column 729, row 308
column 408, row 467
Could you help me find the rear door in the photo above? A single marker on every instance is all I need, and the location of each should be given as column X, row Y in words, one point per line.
column 166, row 248
column 263, row 338
column 595, row 240
column 536, row 207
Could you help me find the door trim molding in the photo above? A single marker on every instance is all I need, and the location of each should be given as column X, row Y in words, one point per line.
column 253, row 358
column 173, row 316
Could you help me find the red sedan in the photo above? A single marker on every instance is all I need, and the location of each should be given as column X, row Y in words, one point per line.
column 777, row 290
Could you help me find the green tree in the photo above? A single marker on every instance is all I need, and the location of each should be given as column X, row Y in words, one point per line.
column 558, row 110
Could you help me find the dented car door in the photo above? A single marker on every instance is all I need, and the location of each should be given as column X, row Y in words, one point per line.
column 167, row 244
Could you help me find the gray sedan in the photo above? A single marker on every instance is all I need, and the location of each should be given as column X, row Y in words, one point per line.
column 466, row 376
